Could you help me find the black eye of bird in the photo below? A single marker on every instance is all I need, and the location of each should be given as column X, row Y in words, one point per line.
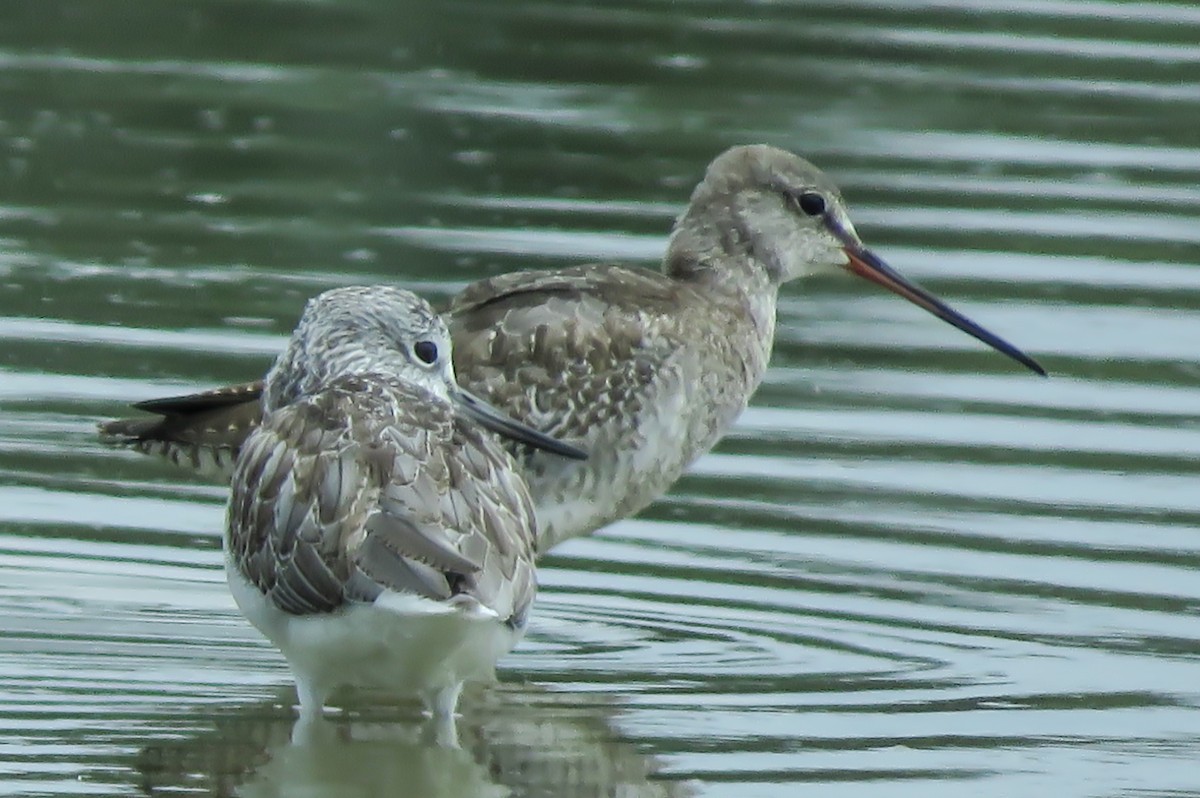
column 812, row 203
column 426, row 351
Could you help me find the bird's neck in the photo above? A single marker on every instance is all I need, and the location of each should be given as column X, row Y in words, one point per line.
column 726, row 269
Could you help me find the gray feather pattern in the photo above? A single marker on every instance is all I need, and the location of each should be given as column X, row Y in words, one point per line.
column 334, row 503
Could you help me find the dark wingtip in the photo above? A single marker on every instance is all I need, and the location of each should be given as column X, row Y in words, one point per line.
column 205, row 400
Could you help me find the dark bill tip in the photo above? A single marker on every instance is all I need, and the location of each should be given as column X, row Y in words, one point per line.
column 491, row 418
column 870, row 266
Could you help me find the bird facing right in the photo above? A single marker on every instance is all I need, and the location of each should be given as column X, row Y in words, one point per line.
column 645, row 369
column 376, row 534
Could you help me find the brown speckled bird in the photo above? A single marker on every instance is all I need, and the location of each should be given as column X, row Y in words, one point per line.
column 645, row 369
column 376, row 533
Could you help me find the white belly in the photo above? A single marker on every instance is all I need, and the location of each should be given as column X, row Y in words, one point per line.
column 404, row 645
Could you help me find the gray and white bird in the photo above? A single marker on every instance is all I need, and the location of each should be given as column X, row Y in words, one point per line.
column 646, row 369
column 376, row 533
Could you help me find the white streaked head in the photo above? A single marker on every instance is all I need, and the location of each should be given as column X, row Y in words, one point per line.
column 362, row 330
column 763, row 216
column 390, row 332
column 761, row 205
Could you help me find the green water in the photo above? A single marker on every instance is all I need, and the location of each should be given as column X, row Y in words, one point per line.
column 912, row 568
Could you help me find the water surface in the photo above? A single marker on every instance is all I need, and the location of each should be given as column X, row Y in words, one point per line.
column 912, row 568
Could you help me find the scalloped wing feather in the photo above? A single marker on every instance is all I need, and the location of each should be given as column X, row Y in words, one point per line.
column 373, row 486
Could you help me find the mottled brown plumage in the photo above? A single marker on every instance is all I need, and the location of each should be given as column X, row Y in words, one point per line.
column 647, row 369
column 376, row 533
column 374, row 485
column 610, row 356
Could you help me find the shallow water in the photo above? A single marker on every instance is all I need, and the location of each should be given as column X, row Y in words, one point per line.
column 912, row 567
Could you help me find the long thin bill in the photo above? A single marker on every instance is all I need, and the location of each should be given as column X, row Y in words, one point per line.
column 867, row 264
column 491, row 418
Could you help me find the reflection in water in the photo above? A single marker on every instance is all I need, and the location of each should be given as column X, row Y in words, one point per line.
column 510, row 745
column 908, row 570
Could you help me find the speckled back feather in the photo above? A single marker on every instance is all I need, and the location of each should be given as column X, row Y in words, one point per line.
column 373, row 485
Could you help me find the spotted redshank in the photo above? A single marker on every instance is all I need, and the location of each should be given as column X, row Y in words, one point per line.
column 376, row 533
column 646, row 369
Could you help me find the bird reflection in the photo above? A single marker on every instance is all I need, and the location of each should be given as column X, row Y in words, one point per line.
column 514, row 740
